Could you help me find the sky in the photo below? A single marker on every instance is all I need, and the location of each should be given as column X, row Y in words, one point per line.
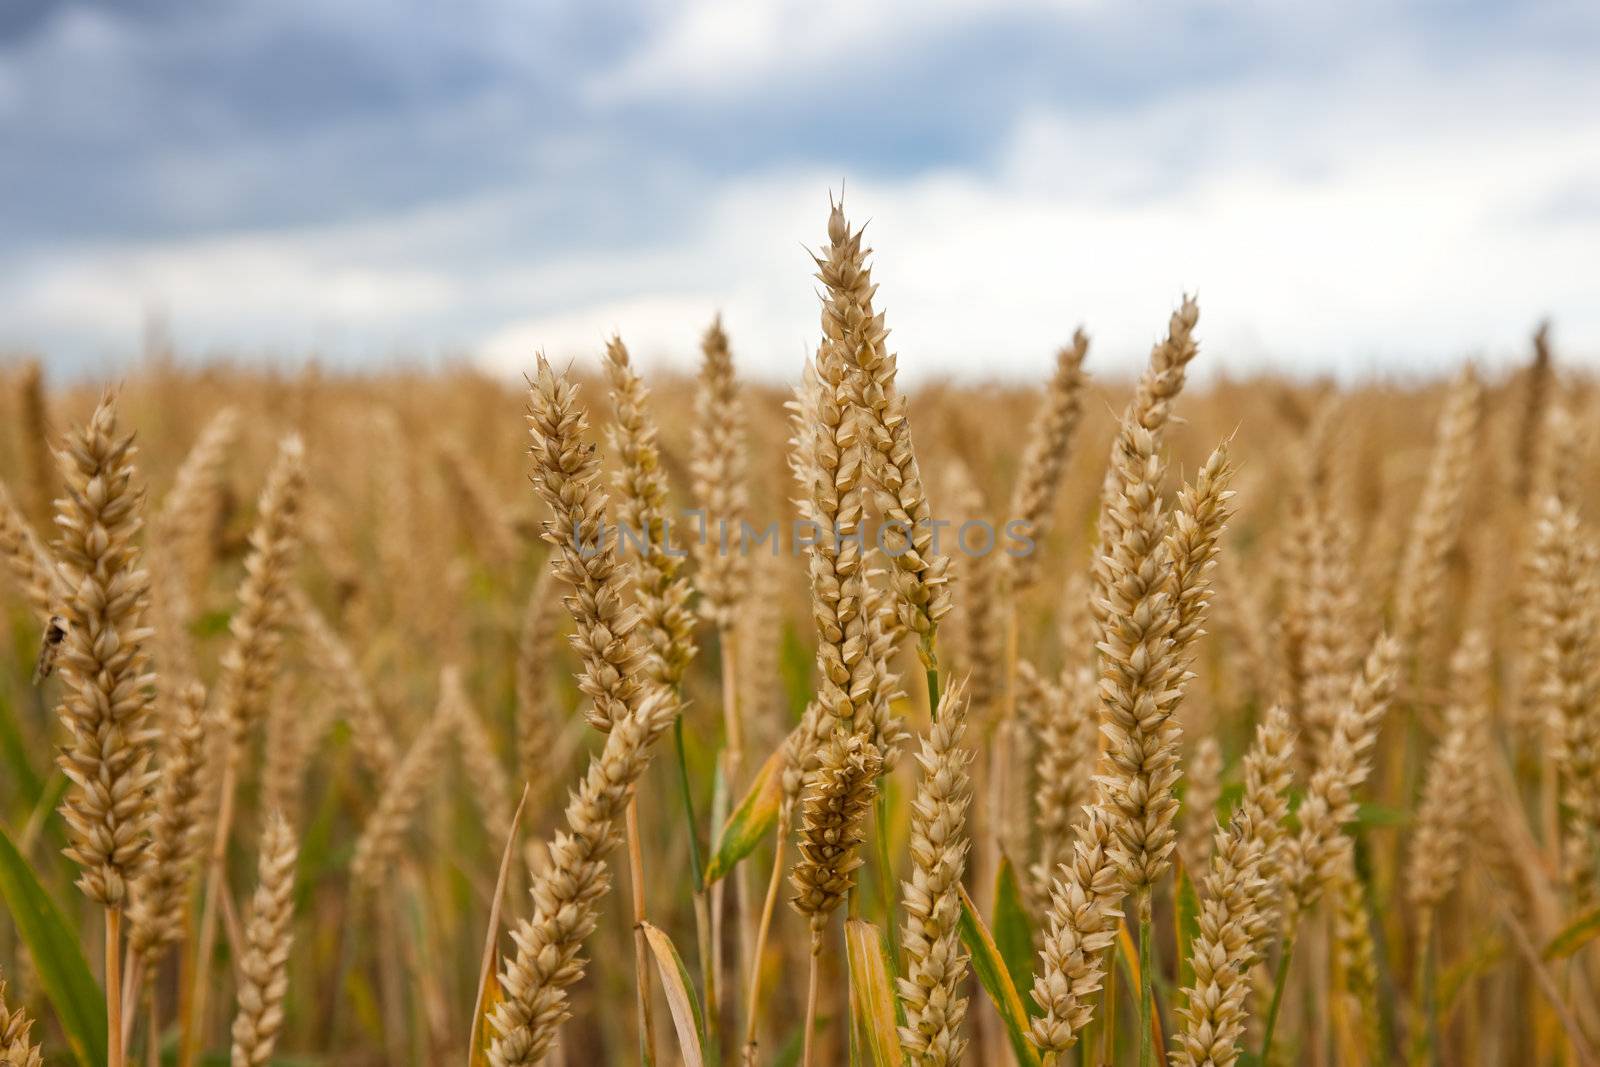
column 1352, row 188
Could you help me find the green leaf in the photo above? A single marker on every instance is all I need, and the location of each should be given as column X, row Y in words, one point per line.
column 1013, row 930
column 1574, row 935
column 687, row 1018
column 63, row 972
column 990, row 967
column 871, row 993
column 1188, row 926
column 756, row 814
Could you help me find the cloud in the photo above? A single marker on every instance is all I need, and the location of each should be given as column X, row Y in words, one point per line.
column 1354, row 188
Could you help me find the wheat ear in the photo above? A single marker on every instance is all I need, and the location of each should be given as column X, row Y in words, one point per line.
column 382, row 837
column 268, row 936
column 188, row 515
column 249, row 667
column 1313, row 856
column 1565, row 686
column 566, row 476
column 832, row 830
column 32, row 564
column 16, row 1050
column 936, row 965
column 567, row 891
column 103, row 659
column 1237, row 893
column 491, row 786
column 338, row 670
column 1085, row 899
column 836, row 803
column 641, row 484
column 1045, row 459
column 864, row 378
column 1443, row 821
column 537, row 717
column 1200, row 805
column 1068, row 745
column 1439, row 509
column 161, row 891
column 34, row 415
column 717, row 465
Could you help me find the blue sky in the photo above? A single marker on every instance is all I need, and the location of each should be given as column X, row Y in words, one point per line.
column 1351, row 187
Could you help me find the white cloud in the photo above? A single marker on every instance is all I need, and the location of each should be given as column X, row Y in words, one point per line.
column 708, row 46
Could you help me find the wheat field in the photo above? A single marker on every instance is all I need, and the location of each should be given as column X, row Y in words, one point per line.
column 405, row 718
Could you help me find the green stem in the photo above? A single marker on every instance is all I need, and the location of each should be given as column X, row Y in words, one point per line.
column 702, row 911
column 1278, row 984
column 886, row 882
column 1146, row 990
column 696, row 864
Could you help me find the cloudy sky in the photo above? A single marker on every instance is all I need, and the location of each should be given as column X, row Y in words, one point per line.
column 1358, row 187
